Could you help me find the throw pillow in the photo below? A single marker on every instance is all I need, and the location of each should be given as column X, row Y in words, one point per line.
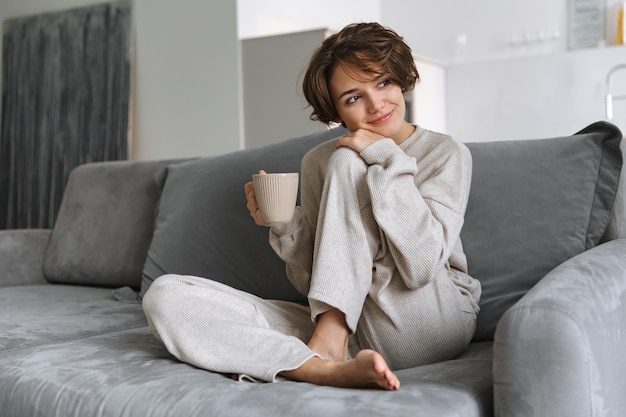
column 104, row 226
column 533, row 205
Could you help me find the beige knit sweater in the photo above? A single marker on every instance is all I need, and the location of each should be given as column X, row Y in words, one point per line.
column 418, row 192
column 376, row 236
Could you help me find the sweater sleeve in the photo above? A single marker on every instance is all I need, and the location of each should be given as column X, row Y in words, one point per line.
column 294, row 245
column 293, row 242
column 420, row 206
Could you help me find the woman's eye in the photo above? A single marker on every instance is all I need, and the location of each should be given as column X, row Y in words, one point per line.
column 352, row 99
column 384, row 83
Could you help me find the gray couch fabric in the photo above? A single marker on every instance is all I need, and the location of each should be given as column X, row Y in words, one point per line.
column 617, row 222
column 567, row 327
column 21, row 256
column 203, row 227
column 533, row 205
column 556, row 299
column 104, row 225
column 36, row 315
column 129, row 373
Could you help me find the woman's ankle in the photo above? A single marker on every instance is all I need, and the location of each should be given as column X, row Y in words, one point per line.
column 331, row 335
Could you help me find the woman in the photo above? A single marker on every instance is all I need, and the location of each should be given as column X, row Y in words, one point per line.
column 374, row 244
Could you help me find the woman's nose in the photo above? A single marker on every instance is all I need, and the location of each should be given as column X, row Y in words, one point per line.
column 375, row 103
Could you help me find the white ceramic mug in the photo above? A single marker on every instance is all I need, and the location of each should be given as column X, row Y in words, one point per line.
column 276, row 195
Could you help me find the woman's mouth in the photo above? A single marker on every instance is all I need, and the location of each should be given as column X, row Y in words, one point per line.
column 382, row 119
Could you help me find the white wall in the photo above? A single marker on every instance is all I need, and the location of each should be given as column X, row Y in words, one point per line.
column 533, row 97
column 272, row 17
column 187, row 78
column 492, row 29
column 274, row 107
column 433, row 28
column 428, row 99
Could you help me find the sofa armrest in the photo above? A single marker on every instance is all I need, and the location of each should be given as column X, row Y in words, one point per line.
column 559, row 351
column 21, row 256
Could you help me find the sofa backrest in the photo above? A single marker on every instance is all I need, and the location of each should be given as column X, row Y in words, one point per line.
column 533, row 205
column 104, row 226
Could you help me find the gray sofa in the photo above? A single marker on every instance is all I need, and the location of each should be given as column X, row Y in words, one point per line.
column 542, row 233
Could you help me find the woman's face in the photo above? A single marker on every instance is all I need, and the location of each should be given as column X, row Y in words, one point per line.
column 368, row 101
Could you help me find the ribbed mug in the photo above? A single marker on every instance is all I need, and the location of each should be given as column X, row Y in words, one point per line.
column 276, row 195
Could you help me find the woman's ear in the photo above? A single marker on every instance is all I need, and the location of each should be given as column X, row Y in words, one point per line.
column 339, row 122
column 333, row 125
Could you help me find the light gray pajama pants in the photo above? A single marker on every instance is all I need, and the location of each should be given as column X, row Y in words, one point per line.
column 218, row 328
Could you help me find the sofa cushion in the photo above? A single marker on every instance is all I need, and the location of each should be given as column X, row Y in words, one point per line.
column 203, row 227
column 35, row 315
column 129, row 373
column 533, row 205
column 104, row 226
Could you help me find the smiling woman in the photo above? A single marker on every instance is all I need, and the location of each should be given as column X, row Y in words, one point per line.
column 372, row 105
column 374, row 244
column 362, row 89
column 390, row 58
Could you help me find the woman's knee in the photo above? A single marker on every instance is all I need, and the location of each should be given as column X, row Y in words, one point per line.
column 161, row 283
column 160, row 291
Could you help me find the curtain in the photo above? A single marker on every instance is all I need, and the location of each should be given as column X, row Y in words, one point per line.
column 65, row 102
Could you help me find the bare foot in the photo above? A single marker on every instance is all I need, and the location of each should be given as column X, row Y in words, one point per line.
column 367, row 370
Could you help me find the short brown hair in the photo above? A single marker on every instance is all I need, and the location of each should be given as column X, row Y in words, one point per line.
column 367, row 46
